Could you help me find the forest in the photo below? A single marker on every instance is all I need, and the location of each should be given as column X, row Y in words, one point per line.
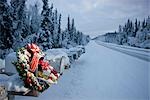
column 135, row 34
column 20, row 25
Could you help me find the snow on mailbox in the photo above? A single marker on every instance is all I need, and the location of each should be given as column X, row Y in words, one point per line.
column 34, row 72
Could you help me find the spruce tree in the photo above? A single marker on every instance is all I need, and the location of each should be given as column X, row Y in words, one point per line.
column 19, row 15
column 148, row 23
column 73, row 31
column 59, row 24
column 68, row 25
column 136, row 26
column 120, row 28
column 59, row 32
column 51, row 19
column 45, row 37
column 68, row 29
column 143, row 24
column 55, row 31
column 6, row 39
column 35, row 19
column 139, row 25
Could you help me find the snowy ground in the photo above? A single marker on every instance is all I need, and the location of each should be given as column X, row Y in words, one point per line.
column 101, row 74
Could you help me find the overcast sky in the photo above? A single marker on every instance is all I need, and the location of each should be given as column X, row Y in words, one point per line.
column 99, row 16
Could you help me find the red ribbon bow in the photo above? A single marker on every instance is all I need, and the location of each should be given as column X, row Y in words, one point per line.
column 44, row 65
column 34, row 62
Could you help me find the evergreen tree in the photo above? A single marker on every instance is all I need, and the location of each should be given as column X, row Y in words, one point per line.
column 132, row 33
column 148, row 23
column 129, row 26
column 55, row 31
column 35, row 19
column 59, row 24
column 143, row 24
column 26, row 24
column 6, row 39
column 120, row 28
column 68, row 25
column 136, row 26
column 59, row 32
column 73, row 31
column 45, row 37
column 139, row 25
column 18, row 14
column 45, row 16
column 68, row 29
column 125, row 28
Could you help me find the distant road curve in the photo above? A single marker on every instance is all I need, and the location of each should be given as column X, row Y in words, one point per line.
column 143, row 54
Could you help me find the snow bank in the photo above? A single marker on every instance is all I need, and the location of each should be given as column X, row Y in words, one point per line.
column 14, row 83
column 145, row 44
column 3, row 79
column 9, row 67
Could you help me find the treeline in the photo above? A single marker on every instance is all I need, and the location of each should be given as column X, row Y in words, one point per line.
column 136, row 34
column 19, row 26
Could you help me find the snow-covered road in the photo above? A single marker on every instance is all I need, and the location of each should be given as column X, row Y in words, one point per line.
column 101, row 74
column 140, row 53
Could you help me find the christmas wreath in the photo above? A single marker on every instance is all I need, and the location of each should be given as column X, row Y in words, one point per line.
column 36, row 73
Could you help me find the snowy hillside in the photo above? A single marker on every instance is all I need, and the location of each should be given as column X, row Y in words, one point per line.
column 101, row 74
column 131, row 34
